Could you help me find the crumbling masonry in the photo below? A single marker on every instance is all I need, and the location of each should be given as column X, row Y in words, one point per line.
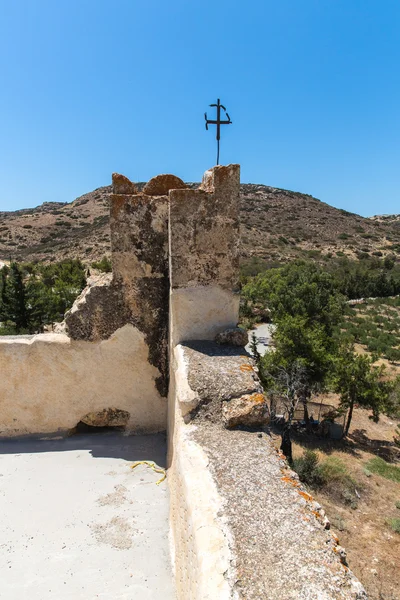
column 154, row 347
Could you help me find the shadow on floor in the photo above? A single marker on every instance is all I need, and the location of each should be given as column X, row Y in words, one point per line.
column 102, row 444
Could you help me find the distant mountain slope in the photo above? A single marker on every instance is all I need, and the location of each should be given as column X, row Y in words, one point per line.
column 388, row 219
column 276, row 225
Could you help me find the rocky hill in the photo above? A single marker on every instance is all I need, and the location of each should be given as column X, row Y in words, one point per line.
column 276, row 225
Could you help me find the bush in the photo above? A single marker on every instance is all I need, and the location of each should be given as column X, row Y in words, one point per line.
column 393, row 355
column 339, row 523
column 103, row 265
column 331, row 475
column 307, row 468
column 395, row 524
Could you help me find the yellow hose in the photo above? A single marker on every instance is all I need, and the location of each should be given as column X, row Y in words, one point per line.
column 153, row 466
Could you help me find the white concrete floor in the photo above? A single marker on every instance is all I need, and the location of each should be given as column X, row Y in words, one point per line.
column 77, row 523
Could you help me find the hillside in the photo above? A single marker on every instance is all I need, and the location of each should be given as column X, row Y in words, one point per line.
column 276, row 225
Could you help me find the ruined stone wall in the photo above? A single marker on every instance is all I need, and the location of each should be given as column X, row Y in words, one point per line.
column 138, row 292
column 49, row 383
column 114, row 353
column 204, row 256
column 175, row 277
column 244, row 527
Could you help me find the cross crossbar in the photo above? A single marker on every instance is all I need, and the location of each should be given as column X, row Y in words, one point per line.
column 218, row 122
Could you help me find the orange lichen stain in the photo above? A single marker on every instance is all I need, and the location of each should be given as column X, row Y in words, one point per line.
column 306, row 496
column 292, row 482
column 305, row 518
column 316, row 514
column 257, row 398
column 335, row 538
column 244, row 368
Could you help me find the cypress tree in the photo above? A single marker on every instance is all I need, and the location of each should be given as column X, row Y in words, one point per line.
column 16, row 298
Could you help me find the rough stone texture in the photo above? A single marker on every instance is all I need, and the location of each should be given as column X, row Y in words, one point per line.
column 247, row 411
column 204, row 565
column 204, row 256
column 108, row 417
column 265, row 535
column 204, row 232
column 137, row 293
column 98, row 312
column 53, row 381
column 282, row 547
column 215, row 374
column 203, row 558
column 123, row 185
column 139, row 238
column 234, row 336
column 162, row 184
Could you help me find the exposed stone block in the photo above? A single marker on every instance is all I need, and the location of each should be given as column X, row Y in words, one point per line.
column 204, row 232
column 138, row 291
column 234, row 336
column 122, row 185
column 204, row 256
column 108, row 417
column 247, row 411
column 162, row 184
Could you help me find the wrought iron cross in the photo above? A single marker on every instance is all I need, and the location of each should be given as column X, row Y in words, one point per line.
column 218, row 122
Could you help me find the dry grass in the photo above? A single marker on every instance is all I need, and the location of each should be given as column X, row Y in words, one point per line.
column 366, row 531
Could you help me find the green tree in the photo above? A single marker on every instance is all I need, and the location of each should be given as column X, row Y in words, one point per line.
column 287, row 382
column 3, row 294
column 42, row 304
column 298, row 367
column 298, row 289
column 33, row 295
column 359, row 382
column 15, row 298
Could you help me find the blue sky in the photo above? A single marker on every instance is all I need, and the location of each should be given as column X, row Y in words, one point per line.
column 90, row 87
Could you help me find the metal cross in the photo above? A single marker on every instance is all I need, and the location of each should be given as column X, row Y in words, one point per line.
column 218, row 123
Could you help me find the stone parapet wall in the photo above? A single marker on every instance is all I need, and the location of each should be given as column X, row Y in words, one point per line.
column 50, row 382
column 243, row 526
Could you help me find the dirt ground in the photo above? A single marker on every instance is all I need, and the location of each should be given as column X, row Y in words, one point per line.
column 373, row 549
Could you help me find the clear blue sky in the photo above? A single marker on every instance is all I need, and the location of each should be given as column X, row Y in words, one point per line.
column 89, row 87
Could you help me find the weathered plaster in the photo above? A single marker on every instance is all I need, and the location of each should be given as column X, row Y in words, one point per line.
column 199, row 313
column 204, row 256
column 50, row 382
column 138, row 290
column 201, row 538
column 204, row 232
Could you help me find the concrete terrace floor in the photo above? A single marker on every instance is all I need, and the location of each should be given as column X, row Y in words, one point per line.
column 76, row 522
